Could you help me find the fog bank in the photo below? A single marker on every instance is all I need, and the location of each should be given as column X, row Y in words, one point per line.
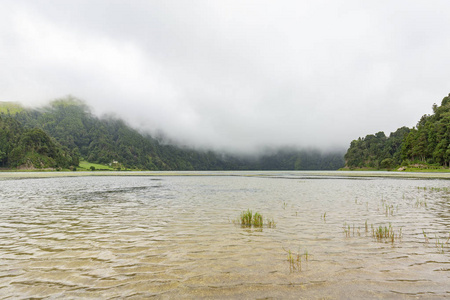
column 240, row 76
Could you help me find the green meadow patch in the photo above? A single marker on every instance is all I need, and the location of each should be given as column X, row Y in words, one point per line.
column 85, row 165
column 10, row 107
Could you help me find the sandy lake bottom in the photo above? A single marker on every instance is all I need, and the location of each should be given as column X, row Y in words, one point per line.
column 176, row 236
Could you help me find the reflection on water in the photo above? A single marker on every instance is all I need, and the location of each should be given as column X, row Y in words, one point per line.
column 172, row 236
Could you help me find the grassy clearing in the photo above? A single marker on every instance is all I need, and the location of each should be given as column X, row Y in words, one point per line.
column 10, row 107
column 86, row 166
column 400, row 169
column 428, row 170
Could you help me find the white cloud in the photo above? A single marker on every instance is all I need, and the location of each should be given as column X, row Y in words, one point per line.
column 233, row 74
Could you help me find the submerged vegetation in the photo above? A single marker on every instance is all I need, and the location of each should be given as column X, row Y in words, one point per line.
column 295, row 259
column 441, row 244
column 271, row 223
column 386, row 234
column 380, row 233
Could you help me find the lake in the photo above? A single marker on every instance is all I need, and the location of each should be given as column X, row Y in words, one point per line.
column 175, row 235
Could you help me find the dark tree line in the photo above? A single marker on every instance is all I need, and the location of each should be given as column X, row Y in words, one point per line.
column 427, row 143
column 377, row 150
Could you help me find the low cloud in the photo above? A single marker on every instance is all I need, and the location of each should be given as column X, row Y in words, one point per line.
column 233, row 75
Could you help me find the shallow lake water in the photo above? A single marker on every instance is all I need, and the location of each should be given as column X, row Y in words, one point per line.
column 176, row 237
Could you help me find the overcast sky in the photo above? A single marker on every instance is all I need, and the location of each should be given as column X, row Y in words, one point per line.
column 235, row 75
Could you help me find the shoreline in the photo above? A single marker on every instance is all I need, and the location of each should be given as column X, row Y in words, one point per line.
column 5, row 175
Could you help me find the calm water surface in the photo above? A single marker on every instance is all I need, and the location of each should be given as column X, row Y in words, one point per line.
column 174, row 237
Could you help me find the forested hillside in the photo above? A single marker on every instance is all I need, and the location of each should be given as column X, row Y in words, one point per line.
column 30, row 148
column 428, row 143
column 109, row 139
column 81, row 135
column 291, row 159
column 377, row 150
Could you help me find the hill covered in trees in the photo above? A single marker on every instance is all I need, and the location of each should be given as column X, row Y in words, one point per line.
column 31, row 148
column 427, row 144
column 70, row 132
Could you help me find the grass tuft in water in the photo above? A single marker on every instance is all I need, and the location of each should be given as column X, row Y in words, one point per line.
column 271, row 223
column 420, row 203
column 246, row 218
column 425, row 236
column 295, row 263
column 250, row 219
column 306, row 255
column 295, row 260
column 386, row 234
column 347, row 230
column 441, row 245
column 257, row 220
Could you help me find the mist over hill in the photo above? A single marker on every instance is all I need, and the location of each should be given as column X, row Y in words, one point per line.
column 70, row 124
column 234, row 76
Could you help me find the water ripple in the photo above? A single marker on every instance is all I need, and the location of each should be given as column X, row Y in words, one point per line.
column 137, row 237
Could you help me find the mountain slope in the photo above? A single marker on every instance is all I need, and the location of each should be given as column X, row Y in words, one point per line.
column 104, row 140
column 30, row 148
